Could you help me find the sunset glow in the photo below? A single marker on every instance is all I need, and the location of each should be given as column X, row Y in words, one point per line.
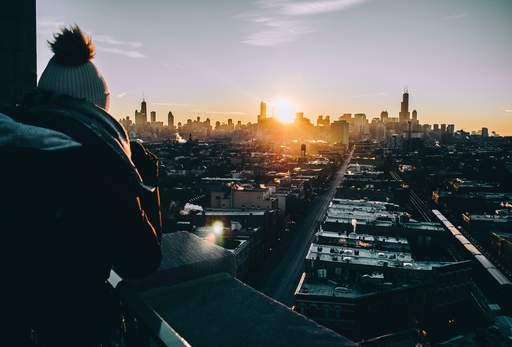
column 284, row 110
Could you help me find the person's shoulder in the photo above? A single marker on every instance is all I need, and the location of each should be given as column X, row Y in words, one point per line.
column 15, row 134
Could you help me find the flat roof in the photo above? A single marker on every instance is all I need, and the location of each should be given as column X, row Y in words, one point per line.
column 234, row 212
column 348, row 220
column 331, row 288
column 363, row 237
column 369, row 257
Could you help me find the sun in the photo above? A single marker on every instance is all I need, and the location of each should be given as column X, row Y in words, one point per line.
column 284, row 110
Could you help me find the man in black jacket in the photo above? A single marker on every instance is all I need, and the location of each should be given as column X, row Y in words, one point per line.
column 77, row 200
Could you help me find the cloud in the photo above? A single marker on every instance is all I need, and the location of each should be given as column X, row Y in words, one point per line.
column 317, row 7
column 456, row 16
column 109, row 40
column 47, row 26
column 120, row 51
column 283, row 21
column 121, row 95
column 508, row 111
column 369, row 95
column 277, row 34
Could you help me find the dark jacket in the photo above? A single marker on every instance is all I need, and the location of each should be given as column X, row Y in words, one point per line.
column 72, row 209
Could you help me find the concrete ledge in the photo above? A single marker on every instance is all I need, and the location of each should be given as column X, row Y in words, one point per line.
column 219, row 310
column 185, row 257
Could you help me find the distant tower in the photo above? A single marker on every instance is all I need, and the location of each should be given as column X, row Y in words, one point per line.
column 170, row 120
column 141, row 117
column 384, row 116
column 263, row 111
column 303, row 149
column 404, row 115
column 414, row 116
column 485, row 132
column 153, row 116
column 143, row 108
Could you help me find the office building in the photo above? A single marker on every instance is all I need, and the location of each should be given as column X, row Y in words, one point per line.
column 263, row 112
column 340, row 132
column 404, row 115
column 170, row 120
column 141, row 117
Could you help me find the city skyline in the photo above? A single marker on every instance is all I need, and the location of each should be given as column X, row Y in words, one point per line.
column 325, row 57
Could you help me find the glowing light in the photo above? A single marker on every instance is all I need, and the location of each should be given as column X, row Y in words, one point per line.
column 218, row 227
column 211, row 238
column 284, row 111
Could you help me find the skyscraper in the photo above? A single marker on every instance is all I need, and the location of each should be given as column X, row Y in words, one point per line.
column 404, row 115
column 143, row 108
column 263, row 111
column 170, row 120
column 141, row 117
column 384, row 116
column 414, row 116
column 485, row 132
column 153, row 116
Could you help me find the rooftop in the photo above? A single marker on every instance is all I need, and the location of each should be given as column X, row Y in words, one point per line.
column 363, row 237
column 223, row 311
column 368, row 257
column 329, row 288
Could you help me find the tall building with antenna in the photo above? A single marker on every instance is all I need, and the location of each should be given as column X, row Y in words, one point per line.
column 404, row 115
column 141, row 117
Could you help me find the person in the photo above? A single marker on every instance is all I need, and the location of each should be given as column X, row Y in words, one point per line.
column 78, row 199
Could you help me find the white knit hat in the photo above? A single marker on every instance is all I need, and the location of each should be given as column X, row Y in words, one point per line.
column 71, row 70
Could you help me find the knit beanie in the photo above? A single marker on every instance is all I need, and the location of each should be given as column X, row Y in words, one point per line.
column 70, row 71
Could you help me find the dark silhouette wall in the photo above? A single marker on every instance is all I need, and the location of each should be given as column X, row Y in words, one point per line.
column 18, row 69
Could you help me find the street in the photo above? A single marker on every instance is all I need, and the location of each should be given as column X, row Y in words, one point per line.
column 282, row 278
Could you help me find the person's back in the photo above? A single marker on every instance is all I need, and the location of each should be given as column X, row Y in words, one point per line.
column 70, row 213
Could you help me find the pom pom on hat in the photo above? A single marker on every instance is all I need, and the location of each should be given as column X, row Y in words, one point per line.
column 72, row 47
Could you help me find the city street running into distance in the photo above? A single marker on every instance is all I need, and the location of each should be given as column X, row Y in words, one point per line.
column 282, row 274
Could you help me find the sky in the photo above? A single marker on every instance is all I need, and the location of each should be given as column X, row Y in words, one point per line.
column 219, row 58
